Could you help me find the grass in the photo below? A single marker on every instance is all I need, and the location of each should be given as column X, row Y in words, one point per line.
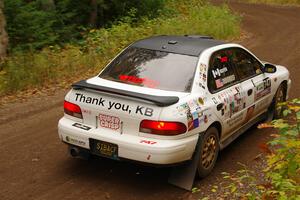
column 276, row 2
column 61, row 65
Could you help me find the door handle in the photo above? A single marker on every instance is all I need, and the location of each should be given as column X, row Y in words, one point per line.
column 220, row 106
column 250, row 92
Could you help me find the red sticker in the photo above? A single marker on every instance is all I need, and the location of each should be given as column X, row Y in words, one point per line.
column 224, row 59
column 108, row 121
column 136, row 80
column 147, row 142
column 86, row 111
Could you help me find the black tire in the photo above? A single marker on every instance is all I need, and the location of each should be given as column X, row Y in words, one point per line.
column 209, row 150
column 275, row 112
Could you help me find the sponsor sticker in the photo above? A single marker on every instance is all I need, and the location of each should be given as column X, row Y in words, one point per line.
column 195, row 111
column 234, row 100
column 75, row 141
column 224, row 59
column 200, row 101
column 263, row 88
column 111, row 122
column 218, row 72
column 214, row 100
column 147, row 142
column 249, row 115
column 219, row 83
column 81, row 126
column 223, row 81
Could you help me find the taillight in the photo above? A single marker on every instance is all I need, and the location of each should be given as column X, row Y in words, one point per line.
column 72, row 109
column 162, row 127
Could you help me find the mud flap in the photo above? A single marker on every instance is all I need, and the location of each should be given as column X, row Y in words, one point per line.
column 183, row 176
column 270, row 113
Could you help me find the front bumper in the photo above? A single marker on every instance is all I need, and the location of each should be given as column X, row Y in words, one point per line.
column 132, row 147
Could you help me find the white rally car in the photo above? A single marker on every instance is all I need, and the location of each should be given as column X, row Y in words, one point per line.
column 165, row 97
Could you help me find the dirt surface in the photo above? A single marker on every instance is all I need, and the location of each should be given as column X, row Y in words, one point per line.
column 34, row 163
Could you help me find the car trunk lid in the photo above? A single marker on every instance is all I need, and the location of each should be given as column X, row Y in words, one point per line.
column 117, row 108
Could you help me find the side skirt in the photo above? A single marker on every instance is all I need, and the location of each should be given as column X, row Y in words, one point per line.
column 243, row 129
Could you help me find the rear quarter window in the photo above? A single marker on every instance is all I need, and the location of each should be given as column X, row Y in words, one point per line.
column 221, row 73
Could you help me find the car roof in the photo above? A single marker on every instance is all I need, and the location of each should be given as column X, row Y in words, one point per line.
column 192, row 45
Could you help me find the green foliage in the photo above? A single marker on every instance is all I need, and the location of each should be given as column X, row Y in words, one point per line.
column 39, row 23
column 284, row 162
column 192, row 18
column 55, row 64
column 28, row 25
column 115, row 10
column 51, row 66
column 33, row 25
column 241, row 184
column 282, row 174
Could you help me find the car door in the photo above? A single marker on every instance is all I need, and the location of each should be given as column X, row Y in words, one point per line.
column 249, row 71
column 226, row 91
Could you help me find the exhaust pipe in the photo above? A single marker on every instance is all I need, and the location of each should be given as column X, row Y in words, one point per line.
column 74, row 151
column 77, row 152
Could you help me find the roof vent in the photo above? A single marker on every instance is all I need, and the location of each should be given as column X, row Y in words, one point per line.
column 200, row 36
column 172, row 42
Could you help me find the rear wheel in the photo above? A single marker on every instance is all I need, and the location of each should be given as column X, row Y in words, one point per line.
column 209, row 150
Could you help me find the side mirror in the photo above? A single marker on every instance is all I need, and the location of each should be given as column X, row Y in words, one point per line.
column 269, row 68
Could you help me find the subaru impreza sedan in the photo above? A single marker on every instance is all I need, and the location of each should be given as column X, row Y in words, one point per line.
column 164, row 97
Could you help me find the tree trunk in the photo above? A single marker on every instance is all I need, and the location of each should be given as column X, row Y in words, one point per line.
column 94, row 13
column 3, row 34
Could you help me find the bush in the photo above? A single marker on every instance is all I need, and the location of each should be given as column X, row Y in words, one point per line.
column 282, row 172
column 283, row 169
column 193, row 18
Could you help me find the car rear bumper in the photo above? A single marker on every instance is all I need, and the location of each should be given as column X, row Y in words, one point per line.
column 132, row 147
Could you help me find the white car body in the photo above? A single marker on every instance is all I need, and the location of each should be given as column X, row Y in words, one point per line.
column 115, row 118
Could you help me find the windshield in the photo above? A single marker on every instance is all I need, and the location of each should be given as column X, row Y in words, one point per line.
column 152, row 69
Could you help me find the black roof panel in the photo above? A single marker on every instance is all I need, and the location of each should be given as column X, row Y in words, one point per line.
column 189, row 45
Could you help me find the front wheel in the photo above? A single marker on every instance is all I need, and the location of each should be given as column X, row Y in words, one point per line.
column 209, row 150
column 275, row 111
column 279, row 98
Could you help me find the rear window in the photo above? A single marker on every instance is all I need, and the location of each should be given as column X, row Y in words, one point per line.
column 153, row 69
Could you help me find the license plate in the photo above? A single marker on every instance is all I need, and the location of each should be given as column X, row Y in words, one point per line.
column 104, row 149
